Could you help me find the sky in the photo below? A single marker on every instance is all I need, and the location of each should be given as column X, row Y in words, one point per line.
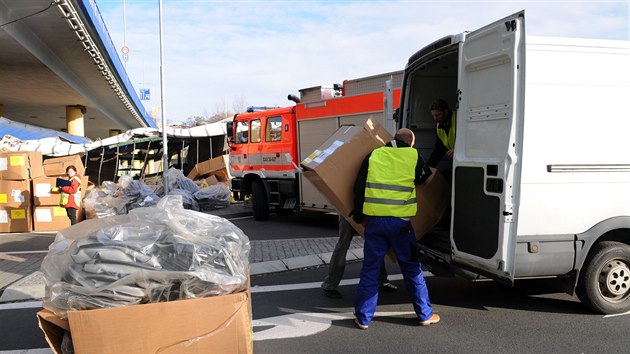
column 226, row 54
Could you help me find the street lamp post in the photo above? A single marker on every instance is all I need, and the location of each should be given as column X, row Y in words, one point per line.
column 163, row 111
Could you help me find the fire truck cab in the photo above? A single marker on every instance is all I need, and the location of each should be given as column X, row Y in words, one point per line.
column 263, row 162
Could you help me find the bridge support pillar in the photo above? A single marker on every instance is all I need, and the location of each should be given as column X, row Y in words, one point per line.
column 74, row 120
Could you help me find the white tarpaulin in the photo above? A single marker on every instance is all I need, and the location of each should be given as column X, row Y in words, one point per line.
column 58, row 145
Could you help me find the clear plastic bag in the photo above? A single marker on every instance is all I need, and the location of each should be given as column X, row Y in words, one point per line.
column 177, row 180
column 118, row 198
column 213, row 197
column 152, row 254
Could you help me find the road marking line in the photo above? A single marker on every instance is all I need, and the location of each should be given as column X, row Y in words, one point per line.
column 240, row 217
column 305, row 324
column 24, row 252
column 617, row 314
column 21, row 305
column 315, row 285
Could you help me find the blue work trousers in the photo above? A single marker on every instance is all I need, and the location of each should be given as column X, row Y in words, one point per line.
column 381, row 234
column 337, row 264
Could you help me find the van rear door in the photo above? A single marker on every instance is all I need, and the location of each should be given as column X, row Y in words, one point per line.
column 487, row 159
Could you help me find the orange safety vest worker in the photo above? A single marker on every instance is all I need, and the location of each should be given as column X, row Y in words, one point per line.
column 71, row 195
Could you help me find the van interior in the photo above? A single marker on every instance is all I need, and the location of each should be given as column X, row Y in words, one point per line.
column 430, row 77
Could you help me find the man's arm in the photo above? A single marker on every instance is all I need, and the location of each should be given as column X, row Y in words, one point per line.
column 72, row 188
column 439, row 150
column 359, row 190
column 423, row 172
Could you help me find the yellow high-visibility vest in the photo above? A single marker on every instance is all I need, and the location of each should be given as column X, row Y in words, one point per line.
column 77, row 196
column 390, row 188
column 448, row 139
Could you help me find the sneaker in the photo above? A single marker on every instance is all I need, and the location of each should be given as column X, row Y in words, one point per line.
column 434, row 319
column 361, row 326
column 388, row 287
column 332, row 293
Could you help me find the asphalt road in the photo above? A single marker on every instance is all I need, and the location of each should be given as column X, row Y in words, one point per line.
column 291, row 314
column 306, row 224
column 477, row 317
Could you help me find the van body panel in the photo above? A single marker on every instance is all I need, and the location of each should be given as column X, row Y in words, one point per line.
column 574, row 135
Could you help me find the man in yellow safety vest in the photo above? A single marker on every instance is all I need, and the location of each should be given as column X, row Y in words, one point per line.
column 446, row 122
column 385, row 193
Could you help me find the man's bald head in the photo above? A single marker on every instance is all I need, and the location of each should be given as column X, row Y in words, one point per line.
column 405, row 135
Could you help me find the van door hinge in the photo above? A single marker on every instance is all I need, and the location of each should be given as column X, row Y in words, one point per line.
column 510, row 26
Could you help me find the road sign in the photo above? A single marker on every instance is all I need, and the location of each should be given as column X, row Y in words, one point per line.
column 145, row 94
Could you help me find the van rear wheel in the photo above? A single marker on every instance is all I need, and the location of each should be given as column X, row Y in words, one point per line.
column 604, row 283
column 259, row 201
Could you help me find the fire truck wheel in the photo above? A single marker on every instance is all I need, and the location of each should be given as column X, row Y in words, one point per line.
column 259, row 201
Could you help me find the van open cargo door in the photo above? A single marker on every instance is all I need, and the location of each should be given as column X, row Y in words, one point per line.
column 487, row 160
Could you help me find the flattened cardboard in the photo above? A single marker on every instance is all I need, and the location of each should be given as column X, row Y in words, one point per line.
column 57, row 166
column 15, row 193
column 219, row 324
column 333, row 169
column 20, row 165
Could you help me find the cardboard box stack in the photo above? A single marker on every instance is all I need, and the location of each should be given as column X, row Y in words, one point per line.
column 47, row 214
column 334, row 166
column 16, row 170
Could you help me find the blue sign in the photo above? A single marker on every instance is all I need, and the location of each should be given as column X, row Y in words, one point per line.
column 145, row 94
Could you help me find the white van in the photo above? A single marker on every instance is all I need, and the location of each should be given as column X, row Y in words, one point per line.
column 541, row 169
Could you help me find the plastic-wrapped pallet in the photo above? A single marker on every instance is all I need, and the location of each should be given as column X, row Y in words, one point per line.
column 152, row 254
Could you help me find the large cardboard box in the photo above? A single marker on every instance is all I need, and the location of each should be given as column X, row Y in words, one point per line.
column 16, row 219
column 334, row 166
column 44, row 194
column 20, row 165
column 57, row 166
column 50, row 218
column 219, row 324
column 15, row 193
column 217, row 166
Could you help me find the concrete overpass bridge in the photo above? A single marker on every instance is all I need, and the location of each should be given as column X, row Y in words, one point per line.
column 59, row 69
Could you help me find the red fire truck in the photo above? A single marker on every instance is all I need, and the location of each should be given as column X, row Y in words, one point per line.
column 267, row 144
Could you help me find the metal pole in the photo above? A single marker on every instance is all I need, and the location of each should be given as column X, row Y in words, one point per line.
column 116, row 170
column 164, row 134
column 125, row 31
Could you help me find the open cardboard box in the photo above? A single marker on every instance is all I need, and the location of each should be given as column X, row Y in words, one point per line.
column 334, row 166
column 218, row 324
column 217, row 166
column 57, row 166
